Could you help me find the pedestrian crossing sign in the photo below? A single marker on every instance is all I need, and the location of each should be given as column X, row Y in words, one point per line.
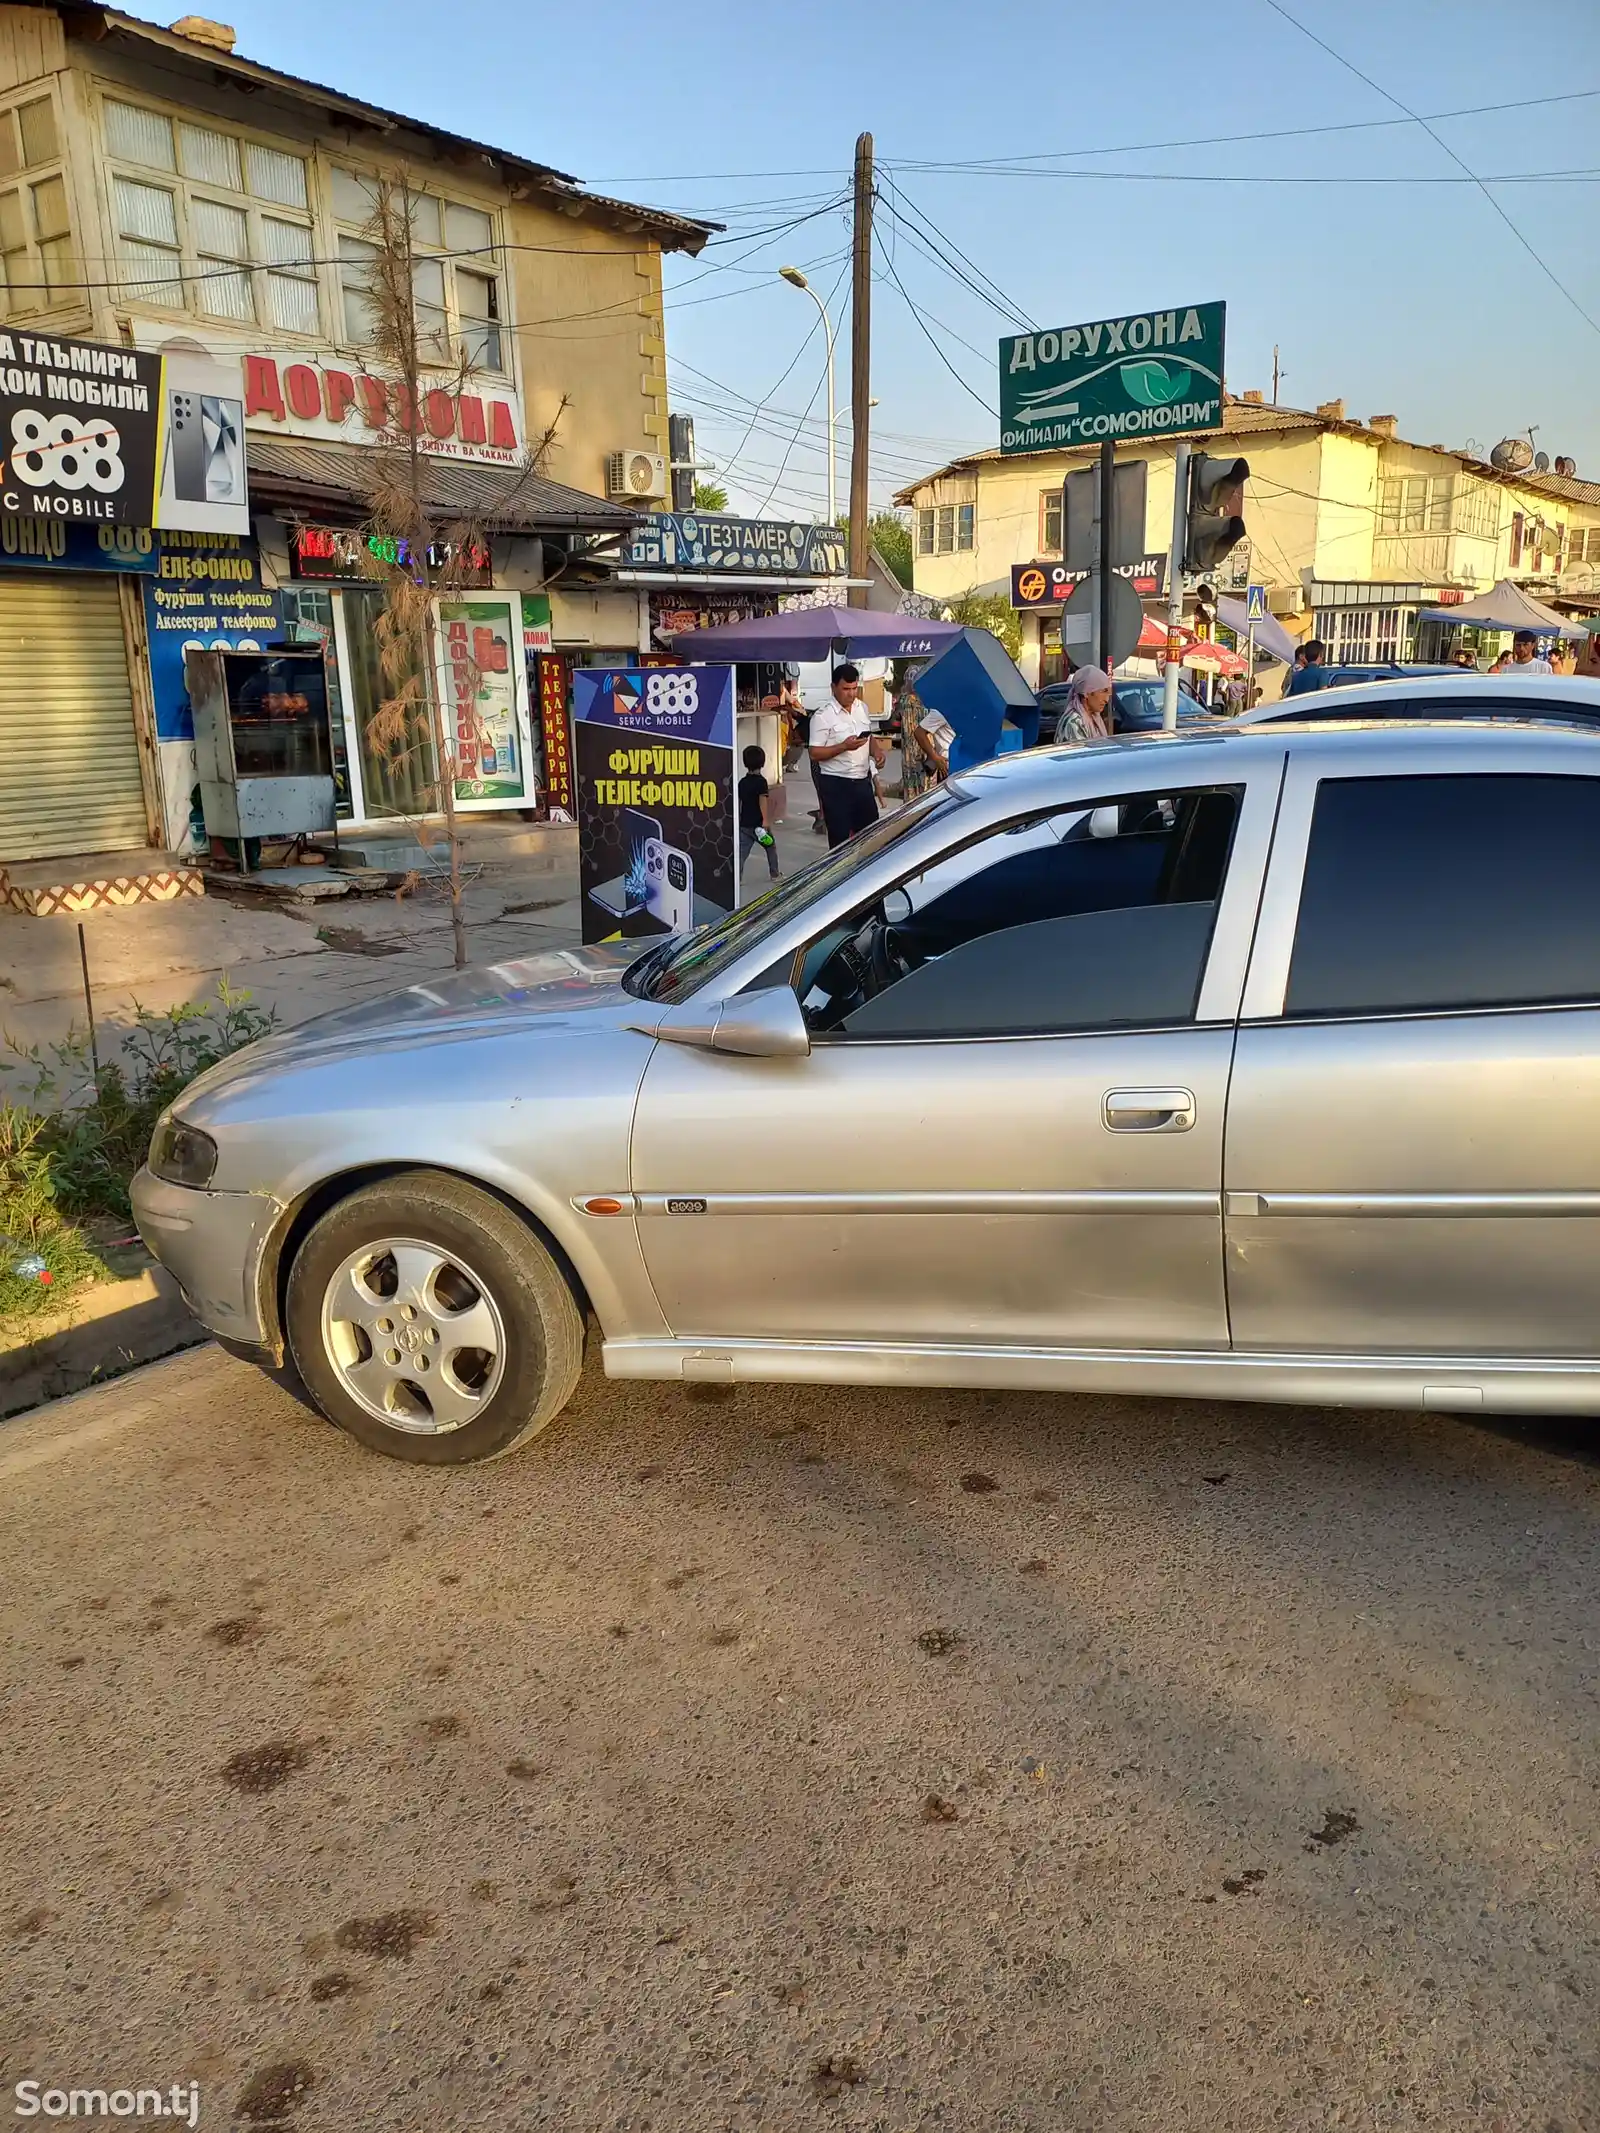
column 1256, row 603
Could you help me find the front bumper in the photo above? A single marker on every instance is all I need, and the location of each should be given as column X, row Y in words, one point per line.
column 212, row 1243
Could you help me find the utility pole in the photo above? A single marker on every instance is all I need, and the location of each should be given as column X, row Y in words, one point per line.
column 1180, row 541
column 1274, row 373
column 860, row 367
column 1108, row 548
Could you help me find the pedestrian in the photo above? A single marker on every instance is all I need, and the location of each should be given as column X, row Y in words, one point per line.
column 933, row 735
column 844, row 757
column 1311, row 674
column 1086, row 715
column 1589, row 659
column 754, row 824
column 1563, row 659
column 1526, row 657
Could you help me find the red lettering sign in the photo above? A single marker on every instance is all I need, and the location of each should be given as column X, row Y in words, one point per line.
column 470, row 420
column 502, row 430
column 338, row 394
column 305, row 394
column 262, row 395
column 555, row 681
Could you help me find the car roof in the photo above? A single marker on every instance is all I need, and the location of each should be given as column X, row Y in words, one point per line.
column 1534, row 695
column 1356, row 726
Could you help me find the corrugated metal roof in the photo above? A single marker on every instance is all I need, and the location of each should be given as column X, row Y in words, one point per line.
column 686, row 232
column 500, row 499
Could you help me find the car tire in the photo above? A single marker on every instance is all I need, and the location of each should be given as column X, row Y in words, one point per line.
column 430, row 1323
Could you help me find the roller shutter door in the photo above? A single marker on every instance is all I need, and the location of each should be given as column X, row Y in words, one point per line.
column 69, row 755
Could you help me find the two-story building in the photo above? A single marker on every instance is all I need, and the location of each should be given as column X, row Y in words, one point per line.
column 160, row 191
column 1352, row 530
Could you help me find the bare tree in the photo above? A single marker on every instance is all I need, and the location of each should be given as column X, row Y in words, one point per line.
column 422, row 553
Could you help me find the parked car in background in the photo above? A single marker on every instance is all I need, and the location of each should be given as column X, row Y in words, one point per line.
column 1350, row 677
column 1259, row 1062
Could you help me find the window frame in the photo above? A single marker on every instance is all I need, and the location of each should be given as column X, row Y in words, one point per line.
column 196, row 267
column 42, row 262
column 1313, row 759
column 1223, row 975
column 488, row 267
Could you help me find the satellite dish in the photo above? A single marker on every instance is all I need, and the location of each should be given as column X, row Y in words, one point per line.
column 1541, row 462
column 1569, row 467
column 1511, row 455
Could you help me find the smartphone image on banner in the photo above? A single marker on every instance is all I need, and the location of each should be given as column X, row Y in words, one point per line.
column 188, row 448
column 222, row 425
column 206, row 447
column 628, row 891
column 669, row 878
column 639, row 832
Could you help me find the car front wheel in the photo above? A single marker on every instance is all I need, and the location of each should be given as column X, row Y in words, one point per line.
column 428, row 1321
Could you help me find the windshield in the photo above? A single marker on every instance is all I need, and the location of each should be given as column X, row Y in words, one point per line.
column 677, row 968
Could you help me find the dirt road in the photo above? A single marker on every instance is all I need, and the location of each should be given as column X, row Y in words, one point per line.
column 802, row 1760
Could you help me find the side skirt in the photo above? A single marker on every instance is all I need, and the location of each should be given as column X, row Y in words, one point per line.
column 1449, row 1384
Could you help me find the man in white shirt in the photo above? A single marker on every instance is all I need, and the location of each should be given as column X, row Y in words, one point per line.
column 845, row 753
column 1525, row 655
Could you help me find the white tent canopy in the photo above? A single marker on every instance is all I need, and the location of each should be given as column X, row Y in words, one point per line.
column 1506, row 607
column 1271, row 636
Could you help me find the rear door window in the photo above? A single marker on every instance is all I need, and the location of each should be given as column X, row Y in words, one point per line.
column 1437, row 893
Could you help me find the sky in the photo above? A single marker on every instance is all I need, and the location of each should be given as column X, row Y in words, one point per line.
column 1367, row 252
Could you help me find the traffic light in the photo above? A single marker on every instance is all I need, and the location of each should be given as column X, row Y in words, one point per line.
column 1216, row 509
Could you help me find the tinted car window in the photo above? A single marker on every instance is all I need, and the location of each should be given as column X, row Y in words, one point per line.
column 1448, row 892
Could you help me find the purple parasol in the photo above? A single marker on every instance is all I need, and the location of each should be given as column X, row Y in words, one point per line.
column 815, row 633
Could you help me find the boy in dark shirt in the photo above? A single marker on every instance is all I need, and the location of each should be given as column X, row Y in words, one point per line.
column 753, row 829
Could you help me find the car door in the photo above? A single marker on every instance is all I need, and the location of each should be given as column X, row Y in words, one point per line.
column 1413, row 1145
column 1017, row 1141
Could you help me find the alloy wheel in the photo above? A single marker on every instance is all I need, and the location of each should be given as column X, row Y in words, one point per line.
column 414, row 1334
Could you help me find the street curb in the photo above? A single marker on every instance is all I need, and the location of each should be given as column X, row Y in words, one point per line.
column 109, row 1329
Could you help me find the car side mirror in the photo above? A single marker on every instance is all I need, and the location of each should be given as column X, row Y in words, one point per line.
column 897, row 906
column 760, row 1025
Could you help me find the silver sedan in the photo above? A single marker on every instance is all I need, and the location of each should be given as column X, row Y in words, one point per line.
column 1262, row 1063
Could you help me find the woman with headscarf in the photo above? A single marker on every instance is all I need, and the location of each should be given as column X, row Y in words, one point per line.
column 1087, row 713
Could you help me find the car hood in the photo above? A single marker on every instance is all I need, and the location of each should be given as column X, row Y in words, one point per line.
column 561, row 988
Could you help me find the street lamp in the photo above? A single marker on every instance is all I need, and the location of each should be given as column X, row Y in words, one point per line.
column 797, row 280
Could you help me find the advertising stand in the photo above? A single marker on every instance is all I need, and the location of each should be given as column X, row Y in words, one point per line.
column 655, row 790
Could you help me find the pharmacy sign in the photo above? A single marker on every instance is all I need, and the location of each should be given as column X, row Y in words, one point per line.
column 1154, row 374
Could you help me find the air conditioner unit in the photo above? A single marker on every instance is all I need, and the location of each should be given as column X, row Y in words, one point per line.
column 635, row 477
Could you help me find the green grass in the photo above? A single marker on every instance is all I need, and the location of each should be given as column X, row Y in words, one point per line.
column 68, row 1155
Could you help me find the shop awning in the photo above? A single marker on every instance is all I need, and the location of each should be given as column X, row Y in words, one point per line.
column 321, row 477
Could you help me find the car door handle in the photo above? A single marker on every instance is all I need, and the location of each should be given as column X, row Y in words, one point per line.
column 1148, row 1110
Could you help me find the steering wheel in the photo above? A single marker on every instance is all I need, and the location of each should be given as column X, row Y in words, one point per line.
column 890, row 960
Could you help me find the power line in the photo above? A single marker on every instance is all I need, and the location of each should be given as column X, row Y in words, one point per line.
column 1438, row 139
column 1583, row 176
column 1058, row 155
column 894, row 276
column 1018, row 315
column 920, row 246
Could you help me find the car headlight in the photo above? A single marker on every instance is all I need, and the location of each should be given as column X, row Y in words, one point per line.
column 181, row 1154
